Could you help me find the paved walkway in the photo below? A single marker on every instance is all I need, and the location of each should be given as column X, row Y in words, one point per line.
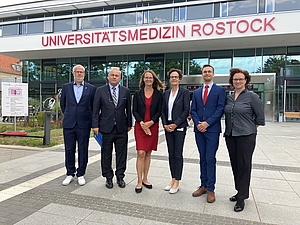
column 31, row 190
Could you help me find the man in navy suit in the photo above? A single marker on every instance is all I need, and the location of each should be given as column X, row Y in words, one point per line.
column 76, row 103
column 207, row 109
column 112, row 117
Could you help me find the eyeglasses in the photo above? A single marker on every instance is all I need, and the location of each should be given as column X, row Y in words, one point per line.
column 207, row 71
column 174, row 77
column 148, row 78
column 238, row 79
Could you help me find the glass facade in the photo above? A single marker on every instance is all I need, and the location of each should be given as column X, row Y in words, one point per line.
column 45, row 76
column 136, row 15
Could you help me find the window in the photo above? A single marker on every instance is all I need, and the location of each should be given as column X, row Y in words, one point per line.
column 35, row 27
column 199, row 12
column 160, row 15
column 92, row 22
column 217, row 9
column 10, row 30
column 139, row 17
column 125, row 19
column 245, row 7
column 221, row 61
column 62, row 25
column 197, row 60
column 179, row 14
column 287, row 5
column 270, row 6
column 245, row 59
column 145, row 17
column 48, row 26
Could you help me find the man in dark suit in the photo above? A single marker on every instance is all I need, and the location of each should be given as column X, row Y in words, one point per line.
column 112, row 117
column 76, row 103
column 207, row 109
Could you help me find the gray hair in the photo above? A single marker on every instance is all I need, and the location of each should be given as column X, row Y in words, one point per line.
column 78, row 65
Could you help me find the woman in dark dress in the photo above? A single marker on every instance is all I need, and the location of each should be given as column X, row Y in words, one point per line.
column 146, row 110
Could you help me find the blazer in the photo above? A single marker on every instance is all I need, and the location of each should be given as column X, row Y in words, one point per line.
column 139, row 105
column 212, row 111
column 106, row 115
column 180, row 110
column 77, row 113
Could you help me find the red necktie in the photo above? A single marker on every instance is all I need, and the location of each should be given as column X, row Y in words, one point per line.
column 205, row 94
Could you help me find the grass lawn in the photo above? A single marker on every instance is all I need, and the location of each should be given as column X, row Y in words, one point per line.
column 56, row 135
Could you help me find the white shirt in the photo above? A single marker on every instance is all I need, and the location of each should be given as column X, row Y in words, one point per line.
column 170, row 103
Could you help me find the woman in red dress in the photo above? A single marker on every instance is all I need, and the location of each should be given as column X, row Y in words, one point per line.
column 147, row 103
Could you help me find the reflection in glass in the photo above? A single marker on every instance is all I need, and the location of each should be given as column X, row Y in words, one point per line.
column 224, row 9
column 287, row 5
column 270, row 6
column 160, row 15
column 125, row 19
column 35, row 27
column 62, row 25
column 31, row 70
column 92, row 22
column 222, row 66
column 182, row 13
column 245, row 59
column 63, row 72
column 139, row 18
column 10, row 30
column 199, row 11
column 49, row 72
column 245, row 7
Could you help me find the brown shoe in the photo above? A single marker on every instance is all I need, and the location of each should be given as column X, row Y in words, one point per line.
column 211, row 197
column 200, row 191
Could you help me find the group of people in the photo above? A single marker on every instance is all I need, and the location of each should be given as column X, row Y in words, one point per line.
column 108, row 110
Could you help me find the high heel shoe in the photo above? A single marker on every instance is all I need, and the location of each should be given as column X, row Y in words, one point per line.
column 239, row 206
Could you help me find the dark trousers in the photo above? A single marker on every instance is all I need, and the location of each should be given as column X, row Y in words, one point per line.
column 207, row 144
column 175, row 141
column 82, row 137
column 240, row 151
column 120, row 140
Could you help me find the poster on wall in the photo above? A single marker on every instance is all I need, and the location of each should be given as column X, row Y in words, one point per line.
column 14, row 99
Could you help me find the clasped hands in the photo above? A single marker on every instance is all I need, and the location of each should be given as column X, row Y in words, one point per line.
column 202, row 126
column 170, row 127
column 146, row 126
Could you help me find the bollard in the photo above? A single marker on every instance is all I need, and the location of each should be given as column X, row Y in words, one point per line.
column 47, row 121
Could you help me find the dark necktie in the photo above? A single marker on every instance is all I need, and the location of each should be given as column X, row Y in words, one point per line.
column 114, row 95
column 205, row 94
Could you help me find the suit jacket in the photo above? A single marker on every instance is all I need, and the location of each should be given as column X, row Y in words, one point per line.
column 139, row 105
column 212, row 111
column 77, row 113
column 106, row 115
column 180, row 110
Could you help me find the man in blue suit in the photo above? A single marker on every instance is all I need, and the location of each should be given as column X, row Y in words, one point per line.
column 207, row 109
column 76, row 103
column 112, row 117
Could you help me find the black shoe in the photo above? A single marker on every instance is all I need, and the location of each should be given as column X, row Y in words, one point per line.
column 233, row 198
column 149, row 186
column 121, row 183
column 109, row 184
column 239, row 206
column 138, row 190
